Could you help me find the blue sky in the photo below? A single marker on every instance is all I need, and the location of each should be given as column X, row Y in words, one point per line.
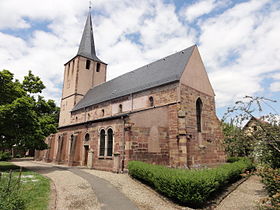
column 238, row 40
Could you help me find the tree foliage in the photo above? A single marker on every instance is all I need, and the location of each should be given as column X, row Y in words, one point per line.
column 25, row 119
column 264, row 142
column 236, row 143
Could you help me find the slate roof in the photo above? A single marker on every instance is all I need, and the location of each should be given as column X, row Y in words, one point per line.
column 163, row 71
column 87, row 47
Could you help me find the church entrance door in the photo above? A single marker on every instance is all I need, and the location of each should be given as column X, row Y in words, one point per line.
column 86, row 154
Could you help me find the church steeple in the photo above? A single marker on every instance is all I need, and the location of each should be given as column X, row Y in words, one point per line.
column 87, row 47
column 81, row 73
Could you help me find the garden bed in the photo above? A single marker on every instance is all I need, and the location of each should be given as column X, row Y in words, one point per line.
column 192, row 188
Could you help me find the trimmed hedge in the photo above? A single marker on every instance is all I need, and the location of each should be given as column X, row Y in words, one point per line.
column 234, row 159
column 4, row 156
column 188, row 187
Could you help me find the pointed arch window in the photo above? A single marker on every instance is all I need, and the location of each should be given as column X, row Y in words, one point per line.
column 198, row 114
column 106, row 143
column 109, row 142
column 102, row 143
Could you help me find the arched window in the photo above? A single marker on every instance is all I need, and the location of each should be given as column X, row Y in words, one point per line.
column 87, row 137
column 120, row 108
column 109, row 142
column 151, row 101
column 102, row 112
column 102, row 143
column 198, row 114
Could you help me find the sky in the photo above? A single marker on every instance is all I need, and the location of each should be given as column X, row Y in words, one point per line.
column 239, row 40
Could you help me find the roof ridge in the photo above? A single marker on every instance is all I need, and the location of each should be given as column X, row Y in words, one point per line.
column 162, row 71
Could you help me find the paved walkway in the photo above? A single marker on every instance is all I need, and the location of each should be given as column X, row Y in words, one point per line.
column 77, row 189
column 108, row 196
column 245, row 196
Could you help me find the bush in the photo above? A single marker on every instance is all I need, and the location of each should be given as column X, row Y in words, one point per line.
column 271, row 180
column 5, row 156
column 188, row 187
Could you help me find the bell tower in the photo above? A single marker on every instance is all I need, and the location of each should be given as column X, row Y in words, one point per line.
column 81, row 73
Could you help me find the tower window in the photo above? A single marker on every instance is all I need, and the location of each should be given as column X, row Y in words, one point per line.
column 198, row 114
column 97, row 67
column 87, row 64
column 151, row 101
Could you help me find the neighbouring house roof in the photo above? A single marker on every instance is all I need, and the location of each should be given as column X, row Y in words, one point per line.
column 87, row 47
column 163, row 71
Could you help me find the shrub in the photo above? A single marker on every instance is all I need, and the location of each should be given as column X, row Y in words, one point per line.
column 5, row 156
column 188, row 187
column 271, row 180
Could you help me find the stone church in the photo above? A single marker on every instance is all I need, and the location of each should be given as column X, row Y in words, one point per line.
column 161, row 113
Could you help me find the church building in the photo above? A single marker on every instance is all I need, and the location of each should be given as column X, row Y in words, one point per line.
column 161, row 113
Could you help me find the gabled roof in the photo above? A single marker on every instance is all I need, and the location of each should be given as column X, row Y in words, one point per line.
column 87, row 47
column 163, row 71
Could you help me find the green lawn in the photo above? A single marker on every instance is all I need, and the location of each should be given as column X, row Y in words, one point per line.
column 35, row 188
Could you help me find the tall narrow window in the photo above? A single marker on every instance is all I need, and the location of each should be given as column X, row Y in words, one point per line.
column 73, row 64
column 109, row 142
column 102, row 143
column 87, row 64
column 87, row 137
column 120, row 108
column 151, row 101
column 198, row 114
column 102, row 112
column 97, row 67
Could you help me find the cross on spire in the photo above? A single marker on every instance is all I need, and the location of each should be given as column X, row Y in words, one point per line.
column 90, row 6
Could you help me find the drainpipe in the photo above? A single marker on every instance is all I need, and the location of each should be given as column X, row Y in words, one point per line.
column 123, row 145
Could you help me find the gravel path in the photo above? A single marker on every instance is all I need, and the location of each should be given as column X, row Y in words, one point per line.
column 73, row 188
column 108, row 195
column 140, row 194
column 72, row 191
column 245, row 196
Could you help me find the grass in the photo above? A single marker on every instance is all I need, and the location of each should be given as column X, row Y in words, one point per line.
column 35, row 187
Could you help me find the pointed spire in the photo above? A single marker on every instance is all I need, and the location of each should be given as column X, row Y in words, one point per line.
column 87, row 47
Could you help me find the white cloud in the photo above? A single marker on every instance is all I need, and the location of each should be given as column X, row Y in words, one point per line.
column 275, row 86
column 238, row 45
column 200, row 8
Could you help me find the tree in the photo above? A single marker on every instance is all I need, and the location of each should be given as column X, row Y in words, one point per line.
column 265, row 141
column 32, row 84
column 25, row 119
column 237, row 143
